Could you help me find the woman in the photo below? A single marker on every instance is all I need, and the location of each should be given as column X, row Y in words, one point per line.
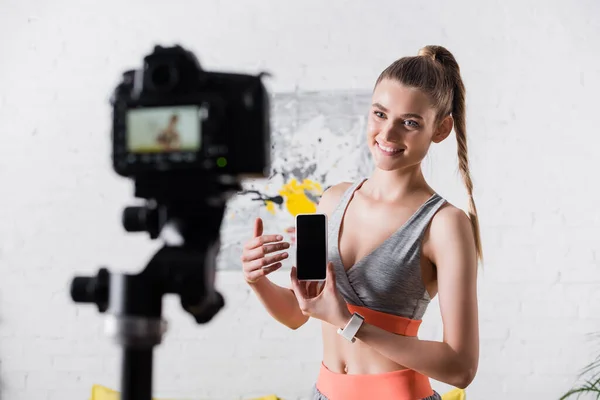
column 394, row 245
column 169, row 138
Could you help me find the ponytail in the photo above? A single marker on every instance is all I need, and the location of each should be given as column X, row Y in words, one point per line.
column 435, row 71
column 458, row 110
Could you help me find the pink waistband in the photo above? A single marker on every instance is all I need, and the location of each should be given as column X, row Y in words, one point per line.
column 404, row 384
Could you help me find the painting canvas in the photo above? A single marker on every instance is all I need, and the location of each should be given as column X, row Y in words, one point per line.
column 318, row 139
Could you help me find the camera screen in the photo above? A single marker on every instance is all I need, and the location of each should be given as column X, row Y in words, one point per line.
column 163, row 129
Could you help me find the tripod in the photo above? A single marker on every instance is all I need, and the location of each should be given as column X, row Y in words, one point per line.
column 185, row 266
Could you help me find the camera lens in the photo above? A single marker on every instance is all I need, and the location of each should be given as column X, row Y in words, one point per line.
column 163, row 77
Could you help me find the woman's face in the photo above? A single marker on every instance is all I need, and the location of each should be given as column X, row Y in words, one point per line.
column 400, row 126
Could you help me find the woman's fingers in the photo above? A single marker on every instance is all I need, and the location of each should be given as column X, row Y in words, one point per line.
column 261, row 240
column 265, row 261
column 262, row 272
column 258, row 258
column 258, row 227
column 260, row 252
column 299, row 287
column 312, row 289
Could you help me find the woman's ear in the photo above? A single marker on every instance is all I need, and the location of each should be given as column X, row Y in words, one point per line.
column 443, row 129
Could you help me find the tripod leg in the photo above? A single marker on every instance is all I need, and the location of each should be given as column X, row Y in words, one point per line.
column 136, row 374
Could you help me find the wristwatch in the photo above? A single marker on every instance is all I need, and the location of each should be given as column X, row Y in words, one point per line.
column 349, row 331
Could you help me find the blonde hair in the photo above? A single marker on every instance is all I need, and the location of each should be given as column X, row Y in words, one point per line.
column 435, row 71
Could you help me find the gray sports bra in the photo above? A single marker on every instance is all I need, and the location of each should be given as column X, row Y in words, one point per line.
column 389, row 278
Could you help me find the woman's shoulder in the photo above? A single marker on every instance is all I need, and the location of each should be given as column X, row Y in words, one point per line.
column 332, row 196
column 449, row 216
column 338, row 189
column 449, row 221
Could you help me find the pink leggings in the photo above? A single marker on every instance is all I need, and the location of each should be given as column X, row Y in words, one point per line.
column 398, row 385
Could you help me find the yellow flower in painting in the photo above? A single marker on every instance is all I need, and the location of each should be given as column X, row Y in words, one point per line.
column 299, row 197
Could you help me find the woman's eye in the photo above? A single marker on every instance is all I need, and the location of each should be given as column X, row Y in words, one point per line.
column 379, row 114
column 413, row 124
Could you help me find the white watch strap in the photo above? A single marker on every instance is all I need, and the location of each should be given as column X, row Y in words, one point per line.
column 349, row 331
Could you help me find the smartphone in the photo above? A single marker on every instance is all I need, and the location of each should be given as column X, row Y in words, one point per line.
column 311, row 247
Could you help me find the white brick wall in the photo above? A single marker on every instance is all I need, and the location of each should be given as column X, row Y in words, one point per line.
column 532, row 77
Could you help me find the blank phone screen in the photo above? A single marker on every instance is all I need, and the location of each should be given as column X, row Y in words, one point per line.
column 311, row 246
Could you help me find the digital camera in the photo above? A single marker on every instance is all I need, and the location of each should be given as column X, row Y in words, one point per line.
column 172, row 117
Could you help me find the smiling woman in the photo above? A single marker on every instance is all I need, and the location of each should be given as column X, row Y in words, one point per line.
column 395, row 244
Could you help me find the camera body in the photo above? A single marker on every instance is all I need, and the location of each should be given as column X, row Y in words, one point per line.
column 172, row 117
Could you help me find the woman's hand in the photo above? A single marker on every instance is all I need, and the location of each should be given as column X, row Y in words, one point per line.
column 321, row 301
column 256, row 261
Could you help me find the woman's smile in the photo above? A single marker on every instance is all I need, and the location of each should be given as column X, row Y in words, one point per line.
column 387, row 150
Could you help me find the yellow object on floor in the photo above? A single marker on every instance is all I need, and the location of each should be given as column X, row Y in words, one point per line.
column 100, row 392
column 455, row 394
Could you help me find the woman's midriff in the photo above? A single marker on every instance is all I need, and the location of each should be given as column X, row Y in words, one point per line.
column 343, row 357
column 355, row 371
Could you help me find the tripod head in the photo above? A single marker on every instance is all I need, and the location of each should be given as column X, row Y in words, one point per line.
column 185, row 174
column 184, row 266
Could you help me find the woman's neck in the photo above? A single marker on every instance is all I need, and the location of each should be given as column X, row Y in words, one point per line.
column 394, row 186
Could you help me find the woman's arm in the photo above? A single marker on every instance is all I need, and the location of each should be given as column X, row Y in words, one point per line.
column 279, row 302
column 454, row 360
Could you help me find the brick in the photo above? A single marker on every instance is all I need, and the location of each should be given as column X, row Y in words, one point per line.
column 207, row 348
column 586, row 272
column 587, row 295
column 559, row 331
column 576, row 216
column 274, row 349
column 548, row 302
column 75, row 362
column 566, row 364
column 18, row 394
column 52, row 380
column 27, row 362
column 518, row 268
column 75, row 345
column 497, row 302
column 564, row 357
column 276, row 376
column 534, row 384
column 13, row 380
column 68, row 393
column 493, row 330
column 11, row 346
column 497, row 357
